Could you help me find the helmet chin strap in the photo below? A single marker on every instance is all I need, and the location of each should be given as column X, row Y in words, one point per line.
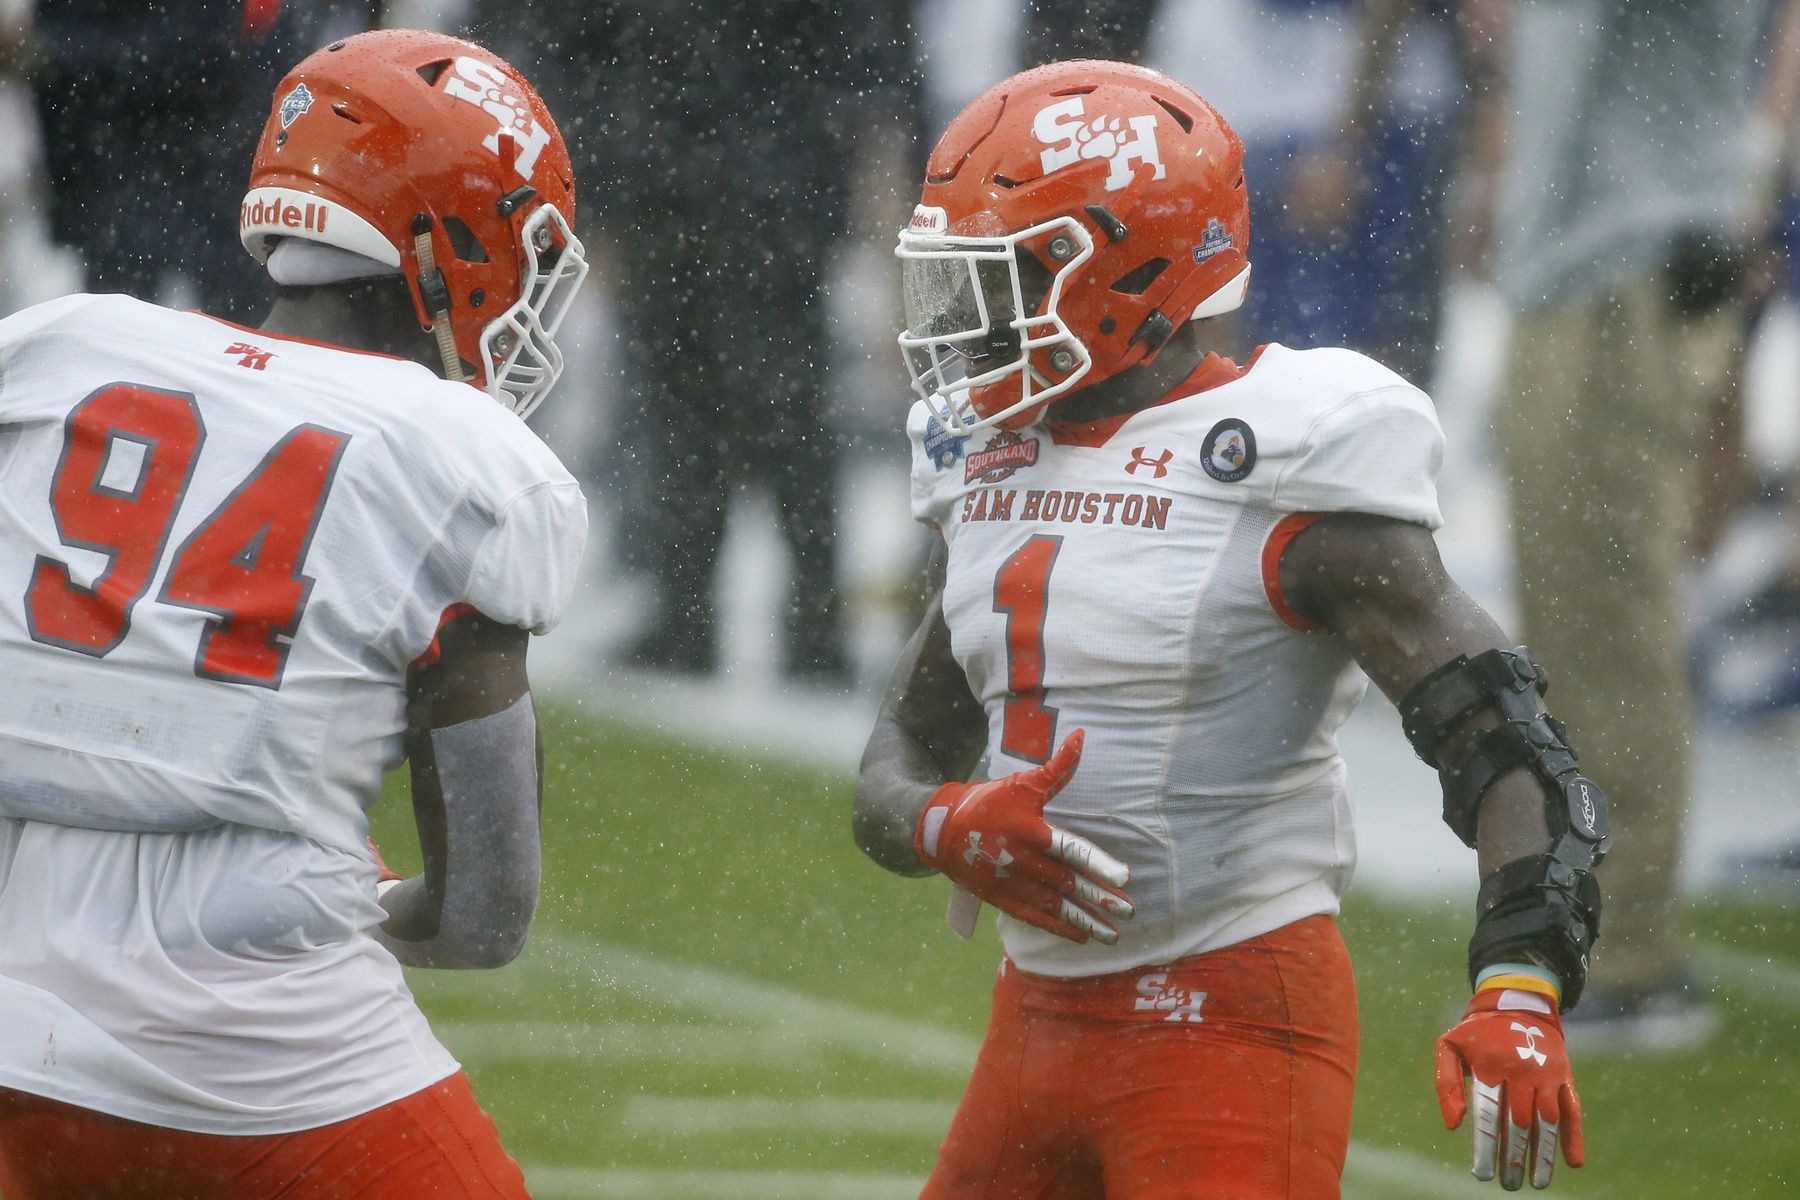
column 437, row 299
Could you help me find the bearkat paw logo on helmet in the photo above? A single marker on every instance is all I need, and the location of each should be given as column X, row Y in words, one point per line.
column 1071, row 137
column 487, row 88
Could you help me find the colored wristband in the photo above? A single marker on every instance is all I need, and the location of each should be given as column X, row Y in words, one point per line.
column 1520, row 977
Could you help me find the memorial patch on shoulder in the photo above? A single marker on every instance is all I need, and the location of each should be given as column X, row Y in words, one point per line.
column 1229, row 453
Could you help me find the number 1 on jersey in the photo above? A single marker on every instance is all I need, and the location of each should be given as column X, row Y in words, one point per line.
column 1022, row 592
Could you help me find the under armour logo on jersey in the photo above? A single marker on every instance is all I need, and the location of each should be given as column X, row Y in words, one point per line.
column 975, row 854
column 1064, row 128
column 1159, row 466
column 254, row 357
column 487, row 88
column 1529, row 1049
column 1155, row 995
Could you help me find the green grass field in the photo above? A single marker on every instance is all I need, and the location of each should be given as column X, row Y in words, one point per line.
column 722, row 998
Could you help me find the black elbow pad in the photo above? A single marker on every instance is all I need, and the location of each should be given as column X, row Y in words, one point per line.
column 1506, row 683
column 1544, row 908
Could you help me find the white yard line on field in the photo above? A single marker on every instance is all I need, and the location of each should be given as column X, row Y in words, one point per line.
column 839, row 1116
column 796, row 1016
column 692, row 987
column 1413, row 1174
column 488, row 1041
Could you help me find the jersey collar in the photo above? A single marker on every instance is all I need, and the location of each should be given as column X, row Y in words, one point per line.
column 1211, row 372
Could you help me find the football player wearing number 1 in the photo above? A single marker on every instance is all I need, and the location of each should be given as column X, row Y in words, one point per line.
column 242, row 572
column 1159, row 573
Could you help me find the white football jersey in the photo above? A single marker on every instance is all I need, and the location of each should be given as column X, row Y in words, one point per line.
column 220, row 552
column 1121, row 578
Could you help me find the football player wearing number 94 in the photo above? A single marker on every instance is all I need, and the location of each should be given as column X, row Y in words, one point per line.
column 1159, row 572
column 242, row 572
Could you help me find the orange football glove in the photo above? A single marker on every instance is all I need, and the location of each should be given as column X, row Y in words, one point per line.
column 1510, row 1043
column 388, row 874
column 992, row 839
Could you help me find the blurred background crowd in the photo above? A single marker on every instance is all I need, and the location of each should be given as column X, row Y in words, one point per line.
column 1569, row 220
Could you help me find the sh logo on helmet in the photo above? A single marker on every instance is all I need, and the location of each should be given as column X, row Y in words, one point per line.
column 1071, row 137
column 488, row 89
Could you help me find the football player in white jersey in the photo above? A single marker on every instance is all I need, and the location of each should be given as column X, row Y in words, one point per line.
column 1158, row 576
column 242, row 573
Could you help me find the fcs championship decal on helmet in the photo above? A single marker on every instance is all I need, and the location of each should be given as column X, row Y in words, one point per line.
column 1229, row 452
column 294, row 105
column 1215, row 239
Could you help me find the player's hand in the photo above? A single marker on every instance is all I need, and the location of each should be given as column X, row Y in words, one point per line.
column 1510, row 1044
column 993, row 840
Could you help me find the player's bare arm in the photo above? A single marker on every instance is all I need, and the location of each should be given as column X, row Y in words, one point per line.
column 1380, row 585
column 476, row 763
column 912, row 816
column 930, row 728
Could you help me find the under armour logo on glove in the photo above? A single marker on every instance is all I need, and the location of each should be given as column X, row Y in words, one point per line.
column 1522, row 1096
column 975, row 854
column 1529, row 1049
column 991, row 838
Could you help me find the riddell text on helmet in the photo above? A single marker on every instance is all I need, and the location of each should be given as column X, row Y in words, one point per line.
column 310, row 217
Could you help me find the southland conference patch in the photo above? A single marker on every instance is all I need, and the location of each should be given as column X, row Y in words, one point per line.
column 1229, row 451
column 1005, row 453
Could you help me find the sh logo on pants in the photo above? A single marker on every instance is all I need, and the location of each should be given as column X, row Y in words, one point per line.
column 1155, row 995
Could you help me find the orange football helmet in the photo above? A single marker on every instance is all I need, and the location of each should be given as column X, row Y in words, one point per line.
column 431, row 155
column 1072, row 217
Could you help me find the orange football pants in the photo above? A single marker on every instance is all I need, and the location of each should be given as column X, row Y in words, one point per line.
column 1225, row 1076
column 435, row 1144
